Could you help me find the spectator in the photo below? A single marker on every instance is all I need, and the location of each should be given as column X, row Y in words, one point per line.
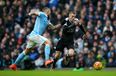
column 97, row 16
column 6, row 61
column 90, row 60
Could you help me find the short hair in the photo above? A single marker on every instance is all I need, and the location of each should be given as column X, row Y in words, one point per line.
column 46, row 9
column 72, row 12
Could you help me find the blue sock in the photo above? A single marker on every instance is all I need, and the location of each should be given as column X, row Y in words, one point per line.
column 47, row 51
column 19, row 58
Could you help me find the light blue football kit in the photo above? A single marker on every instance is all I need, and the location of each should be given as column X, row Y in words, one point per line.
column 39, row 28
column 40, row 24
column 35, row 38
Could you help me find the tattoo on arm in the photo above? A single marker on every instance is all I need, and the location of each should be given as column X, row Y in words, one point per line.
column 51, row 26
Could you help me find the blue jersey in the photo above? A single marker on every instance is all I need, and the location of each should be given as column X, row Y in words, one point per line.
column 40, row 24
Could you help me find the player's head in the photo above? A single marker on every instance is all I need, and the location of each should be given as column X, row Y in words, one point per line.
column 72, row 16
column 47, row 11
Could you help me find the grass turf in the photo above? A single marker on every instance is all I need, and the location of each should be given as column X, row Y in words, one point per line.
column 58, row 73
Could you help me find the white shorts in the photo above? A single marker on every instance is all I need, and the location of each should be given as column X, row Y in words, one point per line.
column 35, row 40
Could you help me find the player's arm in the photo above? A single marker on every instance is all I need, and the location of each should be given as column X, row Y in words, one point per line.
column 65, row 27
column 53, row 27
column 34, row 12
column 82, row 28
column 79, row 24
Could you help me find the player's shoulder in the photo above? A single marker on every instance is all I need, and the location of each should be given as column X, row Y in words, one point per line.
column 42, row 13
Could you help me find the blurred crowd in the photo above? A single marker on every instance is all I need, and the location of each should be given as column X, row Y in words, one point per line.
column 97, row 16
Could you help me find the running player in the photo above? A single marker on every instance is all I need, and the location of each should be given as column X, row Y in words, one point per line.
column 67, row 39
column 35, row 38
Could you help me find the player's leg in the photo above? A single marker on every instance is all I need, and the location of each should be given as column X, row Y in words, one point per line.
column 56, row 58
column 71, row 52
column 30, row 45
column 65, row 59
column 47, row 48
column 59, row 48
column 70, row 47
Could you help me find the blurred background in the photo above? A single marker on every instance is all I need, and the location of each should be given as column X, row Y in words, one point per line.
column 97, row 16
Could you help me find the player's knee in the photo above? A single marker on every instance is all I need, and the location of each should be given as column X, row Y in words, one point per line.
column 57, row 54
column 27, row 50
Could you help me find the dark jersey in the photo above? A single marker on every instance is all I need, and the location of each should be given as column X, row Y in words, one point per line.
column 68, row 30
column 67, row 39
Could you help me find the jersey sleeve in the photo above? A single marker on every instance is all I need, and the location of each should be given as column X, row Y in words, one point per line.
column 41, row 14
column 48, row 22
column 64, row 21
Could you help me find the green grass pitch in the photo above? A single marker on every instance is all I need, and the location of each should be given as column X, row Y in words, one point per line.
column 58, row 73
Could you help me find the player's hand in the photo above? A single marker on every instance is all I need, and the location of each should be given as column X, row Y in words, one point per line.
column 76, row 21
column 33, row 11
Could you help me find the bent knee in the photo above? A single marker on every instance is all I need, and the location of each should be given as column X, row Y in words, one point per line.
column 27, row 50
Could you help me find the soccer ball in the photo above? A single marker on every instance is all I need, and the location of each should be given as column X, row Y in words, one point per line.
column 97, row 65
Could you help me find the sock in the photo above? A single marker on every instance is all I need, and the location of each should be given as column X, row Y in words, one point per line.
column 47, row 51
column 19, row 58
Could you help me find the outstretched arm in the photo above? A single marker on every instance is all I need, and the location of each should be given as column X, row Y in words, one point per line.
column 82, row 28
column 52, row 27
column 34, row 12
column 78, row 23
